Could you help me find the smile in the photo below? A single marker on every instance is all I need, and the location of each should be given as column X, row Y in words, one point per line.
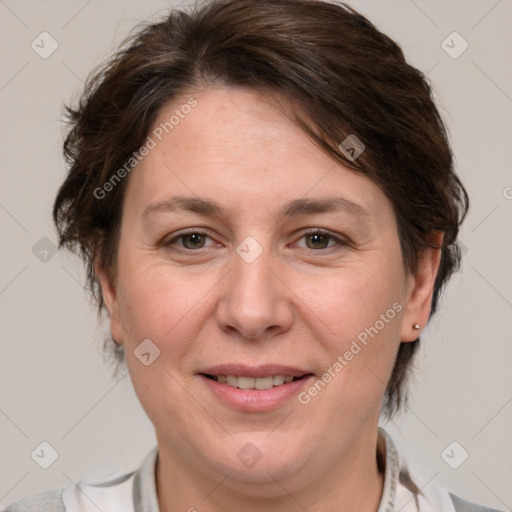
column 242, row 382
column 255, row 394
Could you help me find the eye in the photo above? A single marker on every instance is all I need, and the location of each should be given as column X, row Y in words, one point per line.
column 190, row 240
column 319, row 239
column 316, row 239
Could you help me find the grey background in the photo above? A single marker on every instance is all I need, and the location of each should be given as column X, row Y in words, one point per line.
column 54, row 386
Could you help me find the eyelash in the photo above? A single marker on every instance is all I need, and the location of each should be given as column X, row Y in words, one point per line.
column 314, row 231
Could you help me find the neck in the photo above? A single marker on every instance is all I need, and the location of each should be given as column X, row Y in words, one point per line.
column 352, row 482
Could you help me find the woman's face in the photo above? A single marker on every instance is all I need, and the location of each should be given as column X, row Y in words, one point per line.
column 243, row 286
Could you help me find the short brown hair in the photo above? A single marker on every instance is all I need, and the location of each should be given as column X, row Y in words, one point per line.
column 345, row 78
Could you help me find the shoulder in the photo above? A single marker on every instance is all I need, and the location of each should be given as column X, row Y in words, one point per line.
column 46, row 501
column 107, row 491
column 461, row 505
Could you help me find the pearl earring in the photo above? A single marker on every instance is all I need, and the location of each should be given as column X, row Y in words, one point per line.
column 416, row 326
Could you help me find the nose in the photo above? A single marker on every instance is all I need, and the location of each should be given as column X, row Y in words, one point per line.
column 255, row 300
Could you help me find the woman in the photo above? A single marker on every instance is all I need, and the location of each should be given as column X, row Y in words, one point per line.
column 264, row 197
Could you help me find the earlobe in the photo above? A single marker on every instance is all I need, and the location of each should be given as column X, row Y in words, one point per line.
column 421, row 290
column 109, row 295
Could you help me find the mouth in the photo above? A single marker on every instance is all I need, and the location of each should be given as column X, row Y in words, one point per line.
column 252, row 389
column 255, row 383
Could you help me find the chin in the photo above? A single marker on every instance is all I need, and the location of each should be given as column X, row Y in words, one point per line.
column 260, row 458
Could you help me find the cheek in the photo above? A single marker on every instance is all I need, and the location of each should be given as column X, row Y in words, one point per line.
column 359, row 310
column 164, row 306
column 161, row 304
column 352, row 299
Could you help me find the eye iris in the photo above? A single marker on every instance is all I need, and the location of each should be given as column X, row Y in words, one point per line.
column 197, row 240
column 318, row 238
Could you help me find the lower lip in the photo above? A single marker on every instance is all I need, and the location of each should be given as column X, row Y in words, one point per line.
column 256, row 400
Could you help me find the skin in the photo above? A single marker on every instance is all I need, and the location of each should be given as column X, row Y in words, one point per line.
column 300, row 303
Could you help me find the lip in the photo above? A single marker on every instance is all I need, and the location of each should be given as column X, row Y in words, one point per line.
column 256, row 400
column 266, row 370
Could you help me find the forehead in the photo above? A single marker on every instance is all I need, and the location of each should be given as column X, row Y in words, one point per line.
column 236, row 148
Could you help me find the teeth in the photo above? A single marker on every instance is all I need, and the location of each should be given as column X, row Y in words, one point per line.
column 278, row 380
column 253, row 383
column 263, row 383
column 232, row 381
column 246, row 382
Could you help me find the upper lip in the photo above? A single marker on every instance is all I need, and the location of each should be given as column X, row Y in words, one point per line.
column 265, row 370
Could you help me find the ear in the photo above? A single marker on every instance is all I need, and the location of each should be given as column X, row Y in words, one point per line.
column 420, row 290
column 109, row 293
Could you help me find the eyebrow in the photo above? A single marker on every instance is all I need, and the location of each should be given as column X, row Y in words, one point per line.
column 293, row 208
